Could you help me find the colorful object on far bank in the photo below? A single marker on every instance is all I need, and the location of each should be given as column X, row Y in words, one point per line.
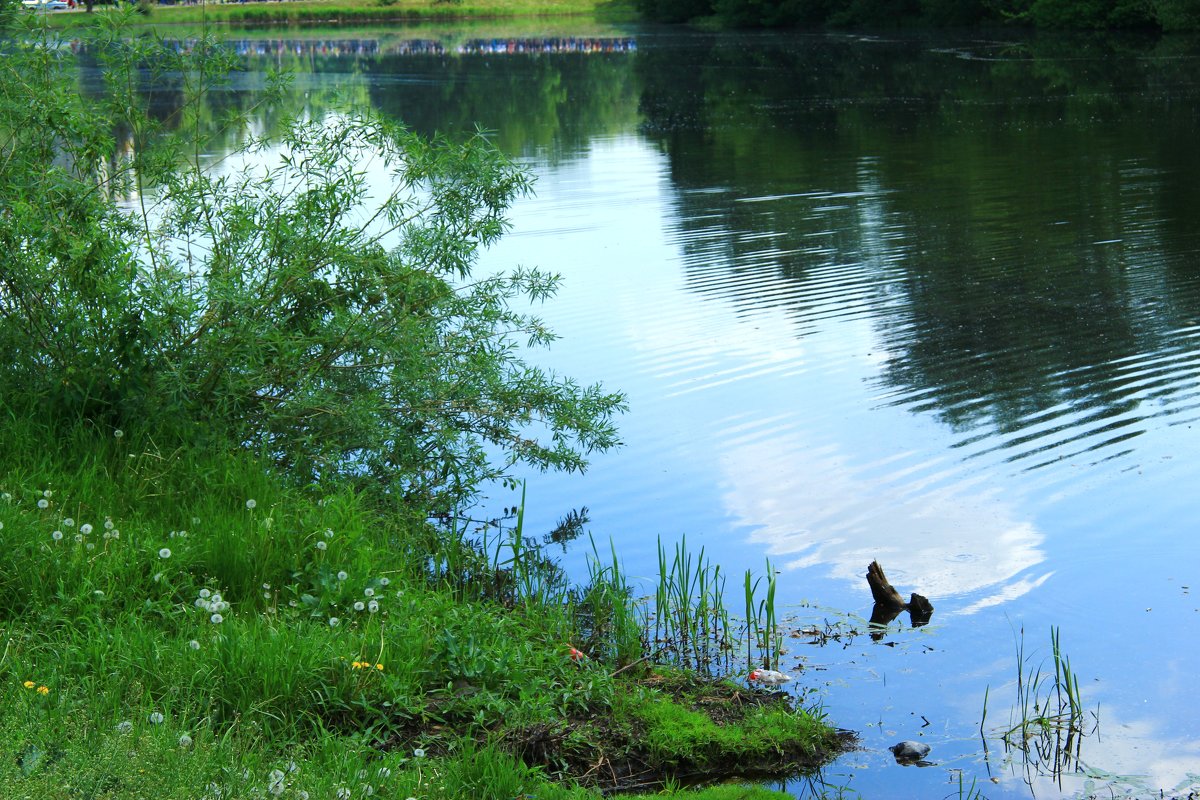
column 769, row 677
column 575, row 654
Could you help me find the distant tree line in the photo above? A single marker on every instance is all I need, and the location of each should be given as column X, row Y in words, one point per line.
column 1167, row 15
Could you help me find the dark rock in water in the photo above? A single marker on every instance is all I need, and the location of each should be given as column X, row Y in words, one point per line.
column 909, row 752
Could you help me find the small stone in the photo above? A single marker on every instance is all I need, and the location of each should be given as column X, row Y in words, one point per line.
column 909, row 752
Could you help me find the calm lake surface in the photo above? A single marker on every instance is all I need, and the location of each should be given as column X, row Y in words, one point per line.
column 928, row 300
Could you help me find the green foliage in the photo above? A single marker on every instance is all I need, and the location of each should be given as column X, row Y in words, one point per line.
column 311, row 298
column 1177, row 15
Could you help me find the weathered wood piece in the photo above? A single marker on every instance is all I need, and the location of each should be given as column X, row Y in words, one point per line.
column 884, row 593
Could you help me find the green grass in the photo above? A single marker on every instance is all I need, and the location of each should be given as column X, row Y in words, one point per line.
column 175, row 625
column 309, row 12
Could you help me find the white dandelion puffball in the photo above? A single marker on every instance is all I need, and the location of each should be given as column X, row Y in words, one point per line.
column 251, row 503
column 164, row 553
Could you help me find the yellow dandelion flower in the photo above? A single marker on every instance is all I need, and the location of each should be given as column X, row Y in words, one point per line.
column 379, row 667
column 43, row 690
column 30, row 684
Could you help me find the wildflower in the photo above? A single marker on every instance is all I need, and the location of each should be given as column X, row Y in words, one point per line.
column 368, row 790
column 372, row 606
column 418, row 753
column 108, row 524
column 91, row 545
column 124, row 727
column 292, row 766
column 156, row 718
column 79, row 537
column 303, row 795
column 341, row 576
column 164, row 553
column 321, row 545
column 195, row 645
column 342, row 793
column 85, row 528
column 30, row 684
column 57, row 536
column 276, row 783
column 329, row 533
column 43, row 690
column 216, row 619
column 43, row 503
column 359, row 605
column 379, row 667
column 333, row 622
column 158, row 576
column 384, row 773
column 251, row 503
column 98, row 593
column 118, row 433
column 47, row 494
column 185, row 741
column 369, row 592
column 205, row 593
column 7, row 496
column 68, row 523
column 384, row 581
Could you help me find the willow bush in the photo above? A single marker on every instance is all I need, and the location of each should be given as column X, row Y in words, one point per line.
column 313, row 295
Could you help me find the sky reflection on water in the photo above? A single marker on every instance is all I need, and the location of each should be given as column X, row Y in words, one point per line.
column 872, row 299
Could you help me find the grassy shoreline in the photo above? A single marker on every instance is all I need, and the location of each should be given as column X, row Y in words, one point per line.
column 310, row 12
column 227, row 631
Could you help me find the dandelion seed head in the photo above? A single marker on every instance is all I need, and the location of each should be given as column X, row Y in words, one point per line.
column 108, row 524
column 359, row 605
column 384, row 581
column 68, row 523
column 185, row 741
column 195, row 645
column 91, row 545
column 79, row 537
column 158, row 576
column 57, row 536
column 321, row 545
column 205, row 593
column 369, row 592
column 156, row 718
column 418, row 753
column 164, row 553
column 251, row 503
column 124, row 727
column 85, row 528
column 216, row 619
column 333, row 622
column 384, row 773
column 373, row 606
column 118, row 433
column 341, row 576
column 43, row 503
column 47, row 494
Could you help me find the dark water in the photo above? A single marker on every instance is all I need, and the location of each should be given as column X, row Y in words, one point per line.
column 928, row 300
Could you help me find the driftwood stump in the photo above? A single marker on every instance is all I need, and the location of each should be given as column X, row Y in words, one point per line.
column 889, row 602
column 884, row 593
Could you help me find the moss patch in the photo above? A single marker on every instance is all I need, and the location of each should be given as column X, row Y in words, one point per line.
column 674, row 727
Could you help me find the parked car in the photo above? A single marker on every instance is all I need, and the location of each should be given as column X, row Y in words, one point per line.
column 46, row 5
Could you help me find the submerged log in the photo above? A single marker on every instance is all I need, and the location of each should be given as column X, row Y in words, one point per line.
column 889, row 602
column 884, row 593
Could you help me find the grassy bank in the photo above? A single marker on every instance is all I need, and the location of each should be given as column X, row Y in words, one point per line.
column 177, row 625
column 311, row 12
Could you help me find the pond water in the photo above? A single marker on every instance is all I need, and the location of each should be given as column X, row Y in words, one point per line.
column 928, row 300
